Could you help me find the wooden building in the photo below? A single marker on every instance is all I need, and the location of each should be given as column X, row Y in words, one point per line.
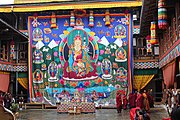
column 166, row 15
column 13, row 56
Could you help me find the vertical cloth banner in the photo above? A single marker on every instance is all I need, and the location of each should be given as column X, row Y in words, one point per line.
column 169, row 74
column 140, row 81
column 4, row 81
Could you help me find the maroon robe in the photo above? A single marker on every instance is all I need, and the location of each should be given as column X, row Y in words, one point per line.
column 132, row 100
column 1, row 99
column 133, row 112
column 150, row 99
column 118, row 102
column 139, row 101
column 125, row 101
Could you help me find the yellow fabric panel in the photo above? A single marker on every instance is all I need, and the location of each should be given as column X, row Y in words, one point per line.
column 140, row 81
column 70, row 6
column 23, row 82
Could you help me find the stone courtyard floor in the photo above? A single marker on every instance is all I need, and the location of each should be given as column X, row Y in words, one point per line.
column 156, row 113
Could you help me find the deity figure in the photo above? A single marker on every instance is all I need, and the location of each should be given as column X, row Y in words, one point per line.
column 120, row 55
column 73, row 100
column 122, row 73
column 79, row 22
column 37, row 34
column 64, row 95
column 79, row 63
column 94, row 95
column 120, row 31
column 37, row 76
column 66, row 23
column 121, row 76
column 99, row 24
column 106, row 69
column 77, row 96
column 52, row 70
column 38, row 56
column 43, row 66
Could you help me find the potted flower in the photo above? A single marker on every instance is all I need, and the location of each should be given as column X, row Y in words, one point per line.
column 14, row 107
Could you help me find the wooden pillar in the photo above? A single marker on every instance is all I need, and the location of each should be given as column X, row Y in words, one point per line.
column 17, row 54
column 177, row 10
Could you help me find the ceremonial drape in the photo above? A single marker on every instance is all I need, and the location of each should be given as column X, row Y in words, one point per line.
column 4, row 81
column 140, row 81
column 169, row 74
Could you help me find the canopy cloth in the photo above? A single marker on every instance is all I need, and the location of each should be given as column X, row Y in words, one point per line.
column 140, row 81
column 60, row 6
column 37, row 1
column 23, row 82
column 169, row 74
column 4, row 81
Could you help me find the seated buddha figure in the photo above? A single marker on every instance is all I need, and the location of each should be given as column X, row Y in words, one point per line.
column 79, row 62
column 120, row 55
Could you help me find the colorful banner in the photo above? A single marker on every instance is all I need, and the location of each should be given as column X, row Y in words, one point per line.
column 79, row 62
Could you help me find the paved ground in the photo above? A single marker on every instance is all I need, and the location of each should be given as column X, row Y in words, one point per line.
column 156, row 113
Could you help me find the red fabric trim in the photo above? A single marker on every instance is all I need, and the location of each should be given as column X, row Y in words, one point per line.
column 4, row 82
column 169, row 74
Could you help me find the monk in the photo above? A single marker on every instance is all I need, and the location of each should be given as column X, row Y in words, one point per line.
column 1, row 98
column 145, row 101
column 132, row 100
column 118, row 102
column 133, row 113
column 125, row 102
column 7, row 100
column 139, row 101
column 150, row 98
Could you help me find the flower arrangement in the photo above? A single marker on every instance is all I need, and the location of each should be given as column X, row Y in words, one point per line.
column 14, row 107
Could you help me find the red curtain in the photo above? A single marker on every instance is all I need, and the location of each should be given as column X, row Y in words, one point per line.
column 169, row 74
column 4, row 81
